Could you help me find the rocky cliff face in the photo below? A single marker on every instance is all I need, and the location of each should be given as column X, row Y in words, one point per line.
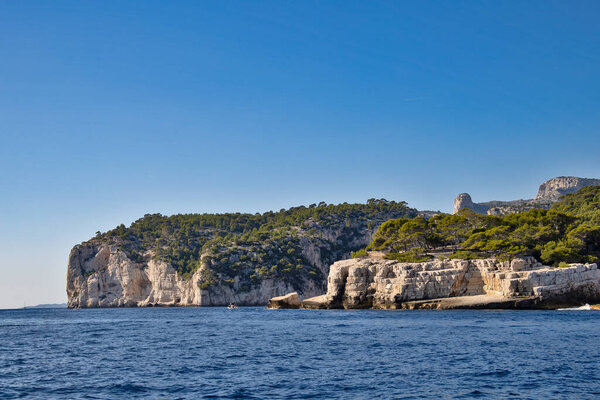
column 105, row 277
column 377, row 283
column 552, row 190
column 549, row 192
column 137, row 266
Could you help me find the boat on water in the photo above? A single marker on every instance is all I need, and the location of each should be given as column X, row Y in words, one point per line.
column 232, row 306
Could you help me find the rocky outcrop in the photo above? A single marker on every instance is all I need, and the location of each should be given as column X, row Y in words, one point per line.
column 484, row 283
column 290, row 300
column 105, row 277
column 548, row 193
column 554, row 189
column 464, row 200
column 316, row 303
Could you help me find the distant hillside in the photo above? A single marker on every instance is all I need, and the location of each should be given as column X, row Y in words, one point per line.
column 548, row 193
column 54, row 305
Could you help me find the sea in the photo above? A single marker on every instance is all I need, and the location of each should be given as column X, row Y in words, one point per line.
column 254, row 353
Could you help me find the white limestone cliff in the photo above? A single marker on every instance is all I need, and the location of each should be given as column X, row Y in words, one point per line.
column 552, row 190
column 378, row 283
column 104, row 277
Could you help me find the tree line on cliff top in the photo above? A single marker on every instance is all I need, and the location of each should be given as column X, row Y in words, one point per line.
column 249, row 247
column 568, row 232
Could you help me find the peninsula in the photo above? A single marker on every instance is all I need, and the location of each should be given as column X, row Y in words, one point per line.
column 402, row 258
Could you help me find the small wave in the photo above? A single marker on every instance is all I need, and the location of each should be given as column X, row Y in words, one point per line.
column 582, row 308
column 502, row 372
column 475, row 393
column 128, row 388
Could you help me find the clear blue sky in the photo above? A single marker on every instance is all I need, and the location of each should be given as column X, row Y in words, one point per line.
column 113, row 109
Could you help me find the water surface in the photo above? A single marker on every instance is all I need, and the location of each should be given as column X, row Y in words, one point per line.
column 253, row 353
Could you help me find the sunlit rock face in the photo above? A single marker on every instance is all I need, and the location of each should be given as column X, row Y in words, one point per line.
column 104, row 277
column 464, row 200
column 290, row 300
column 378, row 283
column 122, row 270
column 552, row 190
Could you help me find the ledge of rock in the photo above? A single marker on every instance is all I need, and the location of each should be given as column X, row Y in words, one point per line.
column 482, row 301
column 290, row 300
column 446, row 284
column 316, row 303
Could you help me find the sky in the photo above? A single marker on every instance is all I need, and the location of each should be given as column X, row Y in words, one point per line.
column 113, row 109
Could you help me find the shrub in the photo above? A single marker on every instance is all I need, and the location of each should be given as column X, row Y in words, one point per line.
column 362, row 253
column 563, row 264
column 413, row 255
column 465, row 255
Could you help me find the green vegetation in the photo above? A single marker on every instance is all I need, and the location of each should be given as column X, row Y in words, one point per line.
column 252, row 247
column 415, row 254
column 568, row 232
column 360, row 253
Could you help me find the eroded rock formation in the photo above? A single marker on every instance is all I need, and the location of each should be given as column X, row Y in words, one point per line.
column 522, row 283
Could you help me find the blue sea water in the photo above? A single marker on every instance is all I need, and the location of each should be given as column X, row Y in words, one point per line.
column 253, row 353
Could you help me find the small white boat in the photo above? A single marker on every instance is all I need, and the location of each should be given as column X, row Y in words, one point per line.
column 232, row 307
column 584, row 307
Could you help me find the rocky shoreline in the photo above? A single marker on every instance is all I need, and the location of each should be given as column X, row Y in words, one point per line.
column 109, row 279
column 522, row 283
